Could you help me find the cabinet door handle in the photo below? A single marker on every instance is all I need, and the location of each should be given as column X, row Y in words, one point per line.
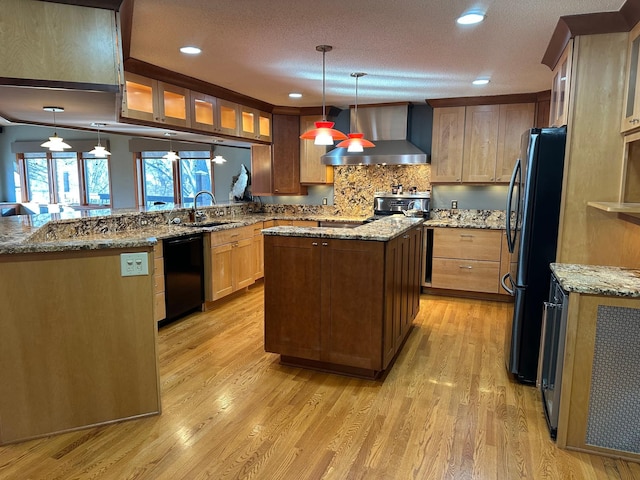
column 633, row 121
column 405, row 236
column 466, row 235
column 324, row 244
column 467, row 267
column 315, row 244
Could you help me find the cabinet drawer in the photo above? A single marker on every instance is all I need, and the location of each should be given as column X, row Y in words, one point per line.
column 257, row 228
column 467, row 243
column 231, row 235
column 471, row 275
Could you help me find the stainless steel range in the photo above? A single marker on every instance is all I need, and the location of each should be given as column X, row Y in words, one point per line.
column 416, row 203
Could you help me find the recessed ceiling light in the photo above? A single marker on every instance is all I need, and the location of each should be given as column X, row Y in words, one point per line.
column 190, row 50
column 471, row 18
column 480, row 81
column 295, row 95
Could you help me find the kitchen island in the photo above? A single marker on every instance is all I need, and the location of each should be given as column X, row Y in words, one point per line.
column 342, row 299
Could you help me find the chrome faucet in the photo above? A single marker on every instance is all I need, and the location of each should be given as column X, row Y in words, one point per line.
column 198, row 215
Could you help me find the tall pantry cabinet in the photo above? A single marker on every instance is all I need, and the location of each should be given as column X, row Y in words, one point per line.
column 594, row 148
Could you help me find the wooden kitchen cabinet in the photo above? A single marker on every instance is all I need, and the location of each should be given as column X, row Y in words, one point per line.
column 155, row 101
column 515, row 119
column 258, row 251
column 598, row 404
column 631, row 106
column 275, row 169
column 312, row 171
column 467, row 259
column 560, row 88
column 286, row 156
column 203, row 111
column 159, row 306
column 404, row 259
column 448, row 144
column 336, row 304
column 60, row 45
column 83, row 355
column 230, row 261
column 478, row 144
column 295, row 223
column 254, row 124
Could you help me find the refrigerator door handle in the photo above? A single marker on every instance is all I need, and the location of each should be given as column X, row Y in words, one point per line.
column 510, row 291
column 511, row 234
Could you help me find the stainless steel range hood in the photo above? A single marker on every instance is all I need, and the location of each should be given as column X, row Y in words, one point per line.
column 387, row 128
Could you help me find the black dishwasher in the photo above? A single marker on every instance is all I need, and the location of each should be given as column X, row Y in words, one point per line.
column 183, row 275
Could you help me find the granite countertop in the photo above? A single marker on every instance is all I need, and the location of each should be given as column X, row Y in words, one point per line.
column 486, row 219
column 103, row 229
column 598, row 280
column 381, row 230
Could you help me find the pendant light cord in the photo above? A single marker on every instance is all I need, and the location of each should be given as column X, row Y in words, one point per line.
column 357, row 75
column 356, row 109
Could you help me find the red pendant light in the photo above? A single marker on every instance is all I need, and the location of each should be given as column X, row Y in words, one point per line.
column 324, row 133
column 356, row 141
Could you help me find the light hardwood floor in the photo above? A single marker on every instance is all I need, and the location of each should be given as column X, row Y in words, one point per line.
column 446, row 409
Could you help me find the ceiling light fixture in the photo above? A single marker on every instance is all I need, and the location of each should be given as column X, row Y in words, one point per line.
column 295, row 95
column 324, row 133
column 171, row 155
column 480, row 81
column 190, row 50
column 471, row 18
column 219, row 159
column 356, row 141
column 99, row 151
column 55, row 143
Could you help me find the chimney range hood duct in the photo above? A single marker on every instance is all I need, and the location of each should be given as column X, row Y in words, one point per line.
column 386, row 127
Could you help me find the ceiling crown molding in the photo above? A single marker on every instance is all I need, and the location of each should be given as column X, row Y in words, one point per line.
column 570, row 26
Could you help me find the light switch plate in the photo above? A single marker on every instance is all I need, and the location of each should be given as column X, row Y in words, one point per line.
column 132, row 264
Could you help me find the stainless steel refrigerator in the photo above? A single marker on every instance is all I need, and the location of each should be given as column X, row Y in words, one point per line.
column 533, row 211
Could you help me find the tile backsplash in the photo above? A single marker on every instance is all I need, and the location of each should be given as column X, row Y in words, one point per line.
column 355, row 185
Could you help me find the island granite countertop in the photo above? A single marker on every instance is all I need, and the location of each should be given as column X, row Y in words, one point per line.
column 598, row 280
column 380, row 230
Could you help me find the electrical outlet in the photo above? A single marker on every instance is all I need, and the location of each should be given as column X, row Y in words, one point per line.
column 324, row 200
column 454, row 204
column 132, row 264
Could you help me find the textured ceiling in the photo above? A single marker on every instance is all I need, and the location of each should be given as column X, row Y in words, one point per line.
column 412, row 50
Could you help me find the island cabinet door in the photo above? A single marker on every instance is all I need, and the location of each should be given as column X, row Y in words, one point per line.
column 353, row 303
column 292, row 300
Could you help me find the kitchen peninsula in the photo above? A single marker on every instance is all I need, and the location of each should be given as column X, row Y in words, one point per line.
column 342, row 299
column 78, row 344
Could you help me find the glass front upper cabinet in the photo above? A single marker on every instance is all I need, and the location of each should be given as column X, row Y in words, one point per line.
column 154, row 101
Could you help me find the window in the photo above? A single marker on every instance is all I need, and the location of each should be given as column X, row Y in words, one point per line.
column 195, row 175
column 17, row 181
column 37, row 176
column 65, row 178
column 65, row 166
column 96, row 181
column 158, row 178
column 162, row 180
